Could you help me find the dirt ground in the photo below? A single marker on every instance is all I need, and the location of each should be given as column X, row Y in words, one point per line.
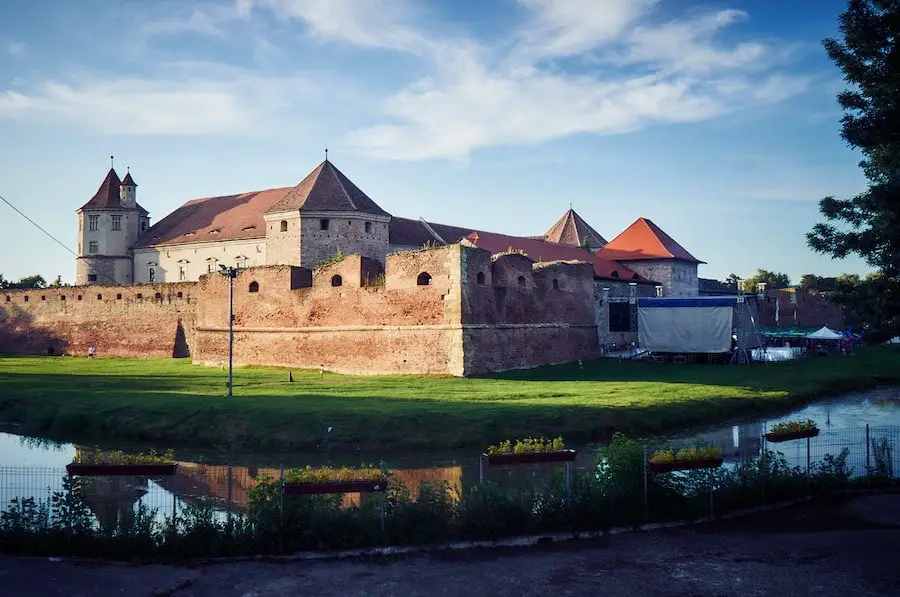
column 837, row 547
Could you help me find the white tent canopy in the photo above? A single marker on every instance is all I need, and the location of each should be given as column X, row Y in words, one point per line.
column 824, row 333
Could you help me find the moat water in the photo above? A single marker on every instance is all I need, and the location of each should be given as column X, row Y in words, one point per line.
column 33, row 466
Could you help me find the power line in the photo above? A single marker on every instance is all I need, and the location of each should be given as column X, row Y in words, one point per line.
column 53, row 238
column 38, row 226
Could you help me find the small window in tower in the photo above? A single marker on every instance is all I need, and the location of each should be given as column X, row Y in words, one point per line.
column 521, row 280
column 99, row 297
column 140, row 296
column 117, row 222
column 323, row 224
column 92, row 277
column 93, row 246
column 43, row 297
column 119, row 296
column 254, row 287
column 94, row 223
column 179, row 295
column 26, row 298
column 555, row 284
column 143, row 226
column 211, row 268
column 481, row 278
column 151, row 274
column 368, row 227
column 336, row 281
column 424, row 279
column 62, row 297
column 79, row 297
column 158, row 296
column 182, row 273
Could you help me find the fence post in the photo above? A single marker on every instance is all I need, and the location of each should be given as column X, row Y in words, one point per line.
column 568, row 484
column 481, row 469
column 230, row 499
column 808, row 477
column 646, row 495
column 761, row 467
column 868, row 462
column 174, row 506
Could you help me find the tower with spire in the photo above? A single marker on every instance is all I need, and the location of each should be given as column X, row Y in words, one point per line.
column 108, row 224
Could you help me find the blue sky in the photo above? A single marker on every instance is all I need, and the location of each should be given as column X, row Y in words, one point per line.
column 717, row 120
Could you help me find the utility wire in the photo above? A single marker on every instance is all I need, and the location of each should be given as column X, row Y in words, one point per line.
column 112, row 281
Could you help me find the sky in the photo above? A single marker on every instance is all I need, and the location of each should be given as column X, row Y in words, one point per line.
column 716, row 119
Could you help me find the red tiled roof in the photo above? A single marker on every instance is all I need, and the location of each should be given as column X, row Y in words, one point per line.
column 128, row 181
column 645, row 240
column 539, row 250
column 327, row 189
column 231, row 217
column 107, row 196
column 571, row 229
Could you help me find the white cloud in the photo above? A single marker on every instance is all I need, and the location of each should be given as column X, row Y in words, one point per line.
column 223, row 102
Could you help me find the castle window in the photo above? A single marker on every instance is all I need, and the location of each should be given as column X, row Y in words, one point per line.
column 79, row 297
column 555, row 284
column 99, row 297
column 26, row 298
column 140, row 296
column 424, row 279
column 43, row 297
column 254, row 287
column 211, row 268
column 117, row 222
column 336, row 281
column 521, row 280
column 143, row 226
column 323, row 224
column 94, row 223
column 151, row 274
column 368, row 227
column 179, row 295
column 619, row 317
column 119, row 296
column 8, row 298
column 93, row 247
column 659, row 291
column 92, row 277
column 182, row 273
column 480, row 278
column 158, row 296
column 284, row 225
column 62, row 297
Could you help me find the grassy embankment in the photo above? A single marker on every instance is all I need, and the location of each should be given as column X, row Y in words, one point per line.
column 171, row 402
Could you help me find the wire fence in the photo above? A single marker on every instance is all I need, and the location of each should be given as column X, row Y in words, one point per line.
column 610, row 486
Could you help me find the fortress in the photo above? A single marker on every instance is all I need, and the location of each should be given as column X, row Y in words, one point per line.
column 327, row 277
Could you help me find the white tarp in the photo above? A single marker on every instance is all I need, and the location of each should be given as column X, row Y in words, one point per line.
column 689, row 328
column 824, row 333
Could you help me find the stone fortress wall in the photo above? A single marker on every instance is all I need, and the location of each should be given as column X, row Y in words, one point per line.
column 451, row 310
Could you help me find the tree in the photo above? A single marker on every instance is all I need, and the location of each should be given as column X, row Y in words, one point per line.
column 772, row 280
column 57, row 283
column 809, row 282
column 36, row 281
column 732, row 280
column 868, row 224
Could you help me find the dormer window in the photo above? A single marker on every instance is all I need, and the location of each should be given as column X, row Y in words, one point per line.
column 214, row 231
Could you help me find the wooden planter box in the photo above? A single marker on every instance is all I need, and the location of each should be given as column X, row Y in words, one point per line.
column 361, row 486
column 791, row 435
column 684, row 465
column 122, row 470
column 530, row 457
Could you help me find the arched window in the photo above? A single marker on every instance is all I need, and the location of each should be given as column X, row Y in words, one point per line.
column 26, row 298
column 284, row 225
column 179, row 295
column 254, row 287
column 119, row 297
column 140, row 295
column 99, row 297
column 521, row 280
column 368, row 227
column 158, row 296
column 481, row 278
column 424, row 279
column 79, row 297
column 336, row 280
column 555, row 284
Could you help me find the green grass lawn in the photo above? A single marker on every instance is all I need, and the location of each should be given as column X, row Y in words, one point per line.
column 171, row 402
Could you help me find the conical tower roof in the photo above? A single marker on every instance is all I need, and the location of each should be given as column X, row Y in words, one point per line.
column 107, row 196
column 327, row 189
column 571, row 229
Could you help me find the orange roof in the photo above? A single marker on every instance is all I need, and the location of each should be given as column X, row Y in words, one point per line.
column 231, row 217
column 327, row 189
column 571, row 229
column 645, row 240
column 539, row 250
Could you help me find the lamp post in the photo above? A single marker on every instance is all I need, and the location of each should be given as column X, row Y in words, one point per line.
column 230, row 273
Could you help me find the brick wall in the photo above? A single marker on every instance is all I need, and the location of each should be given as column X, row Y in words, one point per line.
column 678, row 278
column 121, row 321
column 798, row 307
column 346, row 233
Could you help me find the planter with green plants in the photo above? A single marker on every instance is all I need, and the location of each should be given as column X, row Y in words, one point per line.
column 120, row 464
column 529, row 450
column 791, row 430
column 324, row 480
column 667, row 461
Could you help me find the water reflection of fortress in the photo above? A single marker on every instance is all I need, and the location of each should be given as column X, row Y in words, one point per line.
column 737, row 442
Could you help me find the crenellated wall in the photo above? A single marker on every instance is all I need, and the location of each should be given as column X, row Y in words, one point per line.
column 449, row 310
